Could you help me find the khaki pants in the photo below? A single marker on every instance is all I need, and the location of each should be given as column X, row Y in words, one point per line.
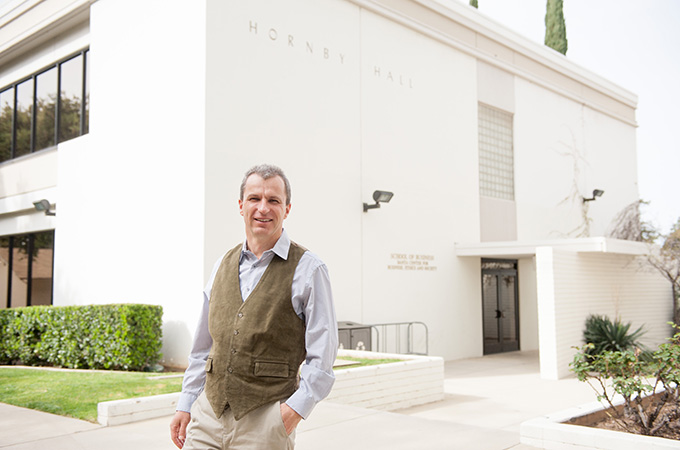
column 261, row 429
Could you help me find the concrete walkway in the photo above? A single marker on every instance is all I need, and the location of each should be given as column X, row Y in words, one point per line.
column 486, row 401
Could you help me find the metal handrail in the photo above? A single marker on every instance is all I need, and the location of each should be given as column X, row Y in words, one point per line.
column 410, row 350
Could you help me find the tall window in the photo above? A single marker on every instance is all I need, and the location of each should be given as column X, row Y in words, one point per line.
column 496, row 161
column 45, row 108
column 26, row 266
column 49, row 107
column 71, row 121
column 6, row 123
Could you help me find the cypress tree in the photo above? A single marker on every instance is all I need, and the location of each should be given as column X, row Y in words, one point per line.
column 474, row 3
column 555, row 28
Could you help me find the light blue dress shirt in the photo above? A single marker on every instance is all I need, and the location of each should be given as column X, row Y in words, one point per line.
column 312, row 301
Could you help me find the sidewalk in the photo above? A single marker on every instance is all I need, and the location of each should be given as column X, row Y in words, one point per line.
column 486, row 401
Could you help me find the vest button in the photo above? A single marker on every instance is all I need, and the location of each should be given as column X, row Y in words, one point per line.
column 240, row 315
column 233, row 350
column 230, row 370
column 235, row 332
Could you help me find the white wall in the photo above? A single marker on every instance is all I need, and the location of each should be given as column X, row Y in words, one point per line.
column 372, row 105
column 33, row 177
column 574, row 285
column 564, row 150
column 528, row 306
column 283, row 88
column 130, row 219
column 31, row 37
column 419, row 140
column 22, row 182
column 347, row 102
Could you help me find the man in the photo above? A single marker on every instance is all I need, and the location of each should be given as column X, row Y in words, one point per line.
column 267, row 307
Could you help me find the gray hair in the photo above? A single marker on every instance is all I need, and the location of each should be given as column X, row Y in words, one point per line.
column 266, row 171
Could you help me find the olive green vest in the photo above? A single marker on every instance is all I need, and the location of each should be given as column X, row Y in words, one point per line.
column 258, row 345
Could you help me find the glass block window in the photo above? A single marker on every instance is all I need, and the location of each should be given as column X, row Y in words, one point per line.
column 496, row 162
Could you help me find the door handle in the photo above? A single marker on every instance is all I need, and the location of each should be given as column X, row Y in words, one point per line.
column 499, row 314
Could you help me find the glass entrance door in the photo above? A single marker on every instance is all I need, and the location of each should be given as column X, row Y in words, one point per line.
column 500, row 306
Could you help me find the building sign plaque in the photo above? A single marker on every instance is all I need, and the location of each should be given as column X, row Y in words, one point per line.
column 410, row 261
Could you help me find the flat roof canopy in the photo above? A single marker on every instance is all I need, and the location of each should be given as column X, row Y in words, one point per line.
column 527, row 249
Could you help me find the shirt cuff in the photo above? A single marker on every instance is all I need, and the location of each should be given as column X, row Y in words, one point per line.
column 185, row 401
column 315, row 385
column 301, row 403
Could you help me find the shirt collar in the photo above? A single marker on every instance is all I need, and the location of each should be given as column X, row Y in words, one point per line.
column 280, row 249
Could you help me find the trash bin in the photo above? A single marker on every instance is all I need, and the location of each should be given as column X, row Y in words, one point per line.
column 354, row 336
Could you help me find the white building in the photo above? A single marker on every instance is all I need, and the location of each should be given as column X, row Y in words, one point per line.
column 489, row 142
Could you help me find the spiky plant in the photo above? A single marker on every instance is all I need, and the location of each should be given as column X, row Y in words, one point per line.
column 606, row 335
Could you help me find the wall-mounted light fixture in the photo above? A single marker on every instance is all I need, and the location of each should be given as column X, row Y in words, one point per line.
column 379, row 197
column 596, row 193
column 44, row 205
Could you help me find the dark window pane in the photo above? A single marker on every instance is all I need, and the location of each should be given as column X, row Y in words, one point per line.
column 20, row 279
column 41, row 272
column 70, row 92
column 6, row 124
column 23, row 118
column 46, row 101
column 507, row 304
column 490, row 299
column 5, row 242
column 86, row 128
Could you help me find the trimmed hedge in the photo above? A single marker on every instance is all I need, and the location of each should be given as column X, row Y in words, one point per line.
column 119, row 337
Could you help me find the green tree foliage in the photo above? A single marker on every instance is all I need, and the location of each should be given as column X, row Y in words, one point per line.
column 6, row 132
column 555, row 27
column 474, row 3
column 45, row 122
column 45, row 117
column 69, row 117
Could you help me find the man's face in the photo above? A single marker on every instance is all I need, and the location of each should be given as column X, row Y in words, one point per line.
column 264, row 208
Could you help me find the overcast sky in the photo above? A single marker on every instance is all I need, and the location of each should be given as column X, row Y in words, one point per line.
column 635, row 44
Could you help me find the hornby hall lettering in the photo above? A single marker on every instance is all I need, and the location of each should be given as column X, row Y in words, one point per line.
column 397, row 78
column 286, row 39
column 293, row 42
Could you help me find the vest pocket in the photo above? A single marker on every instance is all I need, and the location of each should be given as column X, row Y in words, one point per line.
column 271, row 369
column 208, row 365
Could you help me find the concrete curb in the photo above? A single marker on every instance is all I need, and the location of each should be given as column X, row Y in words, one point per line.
column 117, row 412
column 550, row 433
column 414, row 381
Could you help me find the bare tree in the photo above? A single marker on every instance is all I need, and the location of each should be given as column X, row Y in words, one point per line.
column 666, row 259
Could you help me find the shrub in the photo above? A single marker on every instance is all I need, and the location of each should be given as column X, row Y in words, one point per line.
column 21, row 331
column 605, row 335
column 647, row 385
column 124, row 336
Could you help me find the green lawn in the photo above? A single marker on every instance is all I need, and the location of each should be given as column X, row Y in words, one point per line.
column 361, row 362
column 76, row 393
